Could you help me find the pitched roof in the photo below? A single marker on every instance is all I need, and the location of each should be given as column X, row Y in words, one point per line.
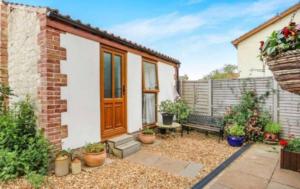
column 55, row 14
column 266, row 24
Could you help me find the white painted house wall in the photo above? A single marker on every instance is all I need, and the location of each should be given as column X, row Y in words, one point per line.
column 134, row 92
column 82, row 92
column 249, row 64
column 167, row 84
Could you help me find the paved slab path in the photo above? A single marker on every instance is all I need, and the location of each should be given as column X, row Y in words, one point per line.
column 257, row 168
column 173, row 166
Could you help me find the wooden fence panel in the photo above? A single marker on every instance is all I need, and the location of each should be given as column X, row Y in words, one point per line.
column 213, row 97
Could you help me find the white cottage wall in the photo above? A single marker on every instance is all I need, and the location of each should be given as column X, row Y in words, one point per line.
column 167, row 83
column 134, row 92
column 82, row 92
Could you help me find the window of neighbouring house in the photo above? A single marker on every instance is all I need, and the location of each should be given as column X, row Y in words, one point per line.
column 150, row 90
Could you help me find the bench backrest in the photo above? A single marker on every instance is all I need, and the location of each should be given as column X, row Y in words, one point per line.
column 205, row 120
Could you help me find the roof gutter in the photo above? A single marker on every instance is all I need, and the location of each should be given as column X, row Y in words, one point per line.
column 96, row 31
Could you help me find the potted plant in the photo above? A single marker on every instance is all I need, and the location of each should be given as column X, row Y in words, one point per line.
column 281, row 52
column 147, row 136
column 272, row 131
column 167, row 109
column 236, row 135
column 94, row 154
column 182, row 111
column 290, row 154
column 62, row 163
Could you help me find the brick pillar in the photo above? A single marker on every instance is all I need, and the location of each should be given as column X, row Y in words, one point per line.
column 49, row 92
column 3, row 43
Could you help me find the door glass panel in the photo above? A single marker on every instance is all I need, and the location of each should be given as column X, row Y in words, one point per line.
column 149, row 107
column 118, row 76
column 150, row 81
column 107, row 75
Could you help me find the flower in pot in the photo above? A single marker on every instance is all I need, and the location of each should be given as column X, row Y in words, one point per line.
column 62, row 163
column 236, row 135
column 272, row 131
column 167, row 109
column 147, row 136
column 281, row 53
column 94, row 154
column 290, row 154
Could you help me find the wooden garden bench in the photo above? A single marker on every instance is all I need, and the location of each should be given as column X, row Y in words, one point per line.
column 205, row 123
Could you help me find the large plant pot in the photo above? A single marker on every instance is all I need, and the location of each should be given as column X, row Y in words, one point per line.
column 94, row 159
column 290, row 160
column 167, row 118
column 286, row 70
column 62, row 166
column 271, row 137
column 235, row 141
column 146, row 139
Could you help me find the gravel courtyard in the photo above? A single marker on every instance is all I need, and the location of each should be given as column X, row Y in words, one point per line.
column 118, row 173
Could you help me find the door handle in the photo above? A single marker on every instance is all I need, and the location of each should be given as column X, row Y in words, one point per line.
column 124, row 89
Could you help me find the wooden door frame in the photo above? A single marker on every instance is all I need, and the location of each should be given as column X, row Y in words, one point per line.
column 104, row 48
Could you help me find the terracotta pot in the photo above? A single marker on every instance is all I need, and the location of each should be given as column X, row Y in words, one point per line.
column 62, row 165
column 271, row 136
column 94, row 159
column 146, row 139
column 286, row 70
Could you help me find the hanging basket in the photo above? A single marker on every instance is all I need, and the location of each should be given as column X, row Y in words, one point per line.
column 286, row 70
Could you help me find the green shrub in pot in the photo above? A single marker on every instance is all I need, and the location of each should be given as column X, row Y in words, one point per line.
column 167, row 109
column 272, row 130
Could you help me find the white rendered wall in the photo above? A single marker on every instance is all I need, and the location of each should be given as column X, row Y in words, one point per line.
column 167, row 84
column 23, row 53
column 248, row 50
column 82, row 92
column 134, row 92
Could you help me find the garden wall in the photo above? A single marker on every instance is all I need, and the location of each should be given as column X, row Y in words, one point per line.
column 212, row 97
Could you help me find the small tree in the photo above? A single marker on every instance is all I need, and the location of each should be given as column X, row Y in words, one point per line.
column 229, row 71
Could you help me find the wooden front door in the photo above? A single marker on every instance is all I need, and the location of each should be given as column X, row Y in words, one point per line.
column 113, row 93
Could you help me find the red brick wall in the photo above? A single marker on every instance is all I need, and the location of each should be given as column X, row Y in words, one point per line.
column 3, row 43
column 49, row 92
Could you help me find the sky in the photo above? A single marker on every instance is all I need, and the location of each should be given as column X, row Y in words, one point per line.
column 196, row 32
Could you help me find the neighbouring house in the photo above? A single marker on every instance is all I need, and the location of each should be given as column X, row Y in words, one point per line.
column 88, row 85
column 247, row 45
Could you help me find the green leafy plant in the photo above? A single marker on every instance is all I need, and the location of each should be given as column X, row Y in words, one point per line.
column 167, row 106
column 148, row 131
column 249, row 114
column 236, row 130
column 23, row 149
column 182, row 111
column 281, row 41
column 36, row 180
column 273, row 128
column 94, row 147
column 5, row 92
column 293, row 145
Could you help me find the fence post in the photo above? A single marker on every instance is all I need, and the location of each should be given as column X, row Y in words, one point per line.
column 210, row 112
column 275, row 100
column 194, row 99
column 181, row 87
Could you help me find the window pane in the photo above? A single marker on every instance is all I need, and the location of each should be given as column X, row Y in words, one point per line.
column 118, row 76
column 107, row 76
column 150, row 82
column 149, row 107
